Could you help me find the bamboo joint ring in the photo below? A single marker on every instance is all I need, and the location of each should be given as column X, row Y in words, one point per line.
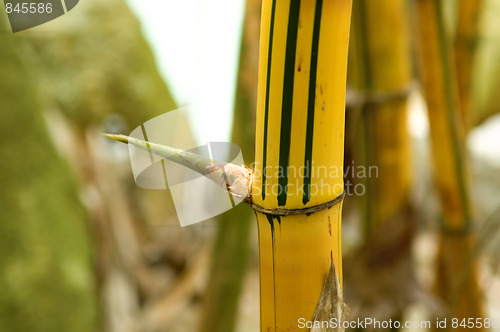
column 307, row 210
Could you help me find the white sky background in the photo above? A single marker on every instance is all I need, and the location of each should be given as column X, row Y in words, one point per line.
column 196, row 44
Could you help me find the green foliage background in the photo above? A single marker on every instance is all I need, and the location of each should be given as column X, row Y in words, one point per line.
column 45, row 249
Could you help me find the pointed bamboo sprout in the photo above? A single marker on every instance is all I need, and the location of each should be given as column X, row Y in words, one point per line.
column 235, row 179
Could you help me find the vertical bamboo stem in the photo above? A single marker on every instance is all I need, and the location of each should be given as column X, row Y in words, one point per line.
column 457, row 276
column 299, row 153
column 380, row 66
column 231, row 249
column 380, row 82
column 465, row 46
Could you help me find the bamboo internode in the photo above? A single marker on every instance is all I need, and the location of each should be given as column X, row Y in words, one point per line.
column 300, row 125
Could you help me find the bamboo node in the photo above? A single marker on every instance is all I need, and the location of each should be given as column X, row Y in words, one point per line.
column 307, row 210
column 356, row 98
column 464, row 230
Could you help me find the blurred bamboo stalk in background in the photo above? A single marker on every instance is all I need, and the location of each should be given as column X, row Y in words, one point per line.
column 46, row 249
column 380, row 83
column 231, row 249
column 457, row 273
column 381, row 76
column 300, row 130
column 465, row 46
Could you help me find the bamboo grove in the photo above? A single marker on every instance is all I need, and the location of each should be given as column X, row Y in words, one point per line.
column 297, row 189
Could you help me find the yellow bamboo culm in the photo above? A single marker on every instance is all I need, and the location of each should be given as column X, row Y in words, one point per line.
column 380, row 65
column 299, row 154
column 380, row 83
column 457, row 280
column 466, row 41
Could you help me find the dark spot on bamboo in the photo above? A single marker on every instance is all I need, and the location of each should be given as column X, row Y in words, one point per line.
column 329, row 226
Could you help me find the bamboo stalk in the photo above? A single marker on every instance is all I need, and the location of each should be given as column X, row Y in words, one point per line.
column 380, row 65
column 465, row 46
column 300, row 132
column 380, row 82
column 231, row 248
column 457, row 274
